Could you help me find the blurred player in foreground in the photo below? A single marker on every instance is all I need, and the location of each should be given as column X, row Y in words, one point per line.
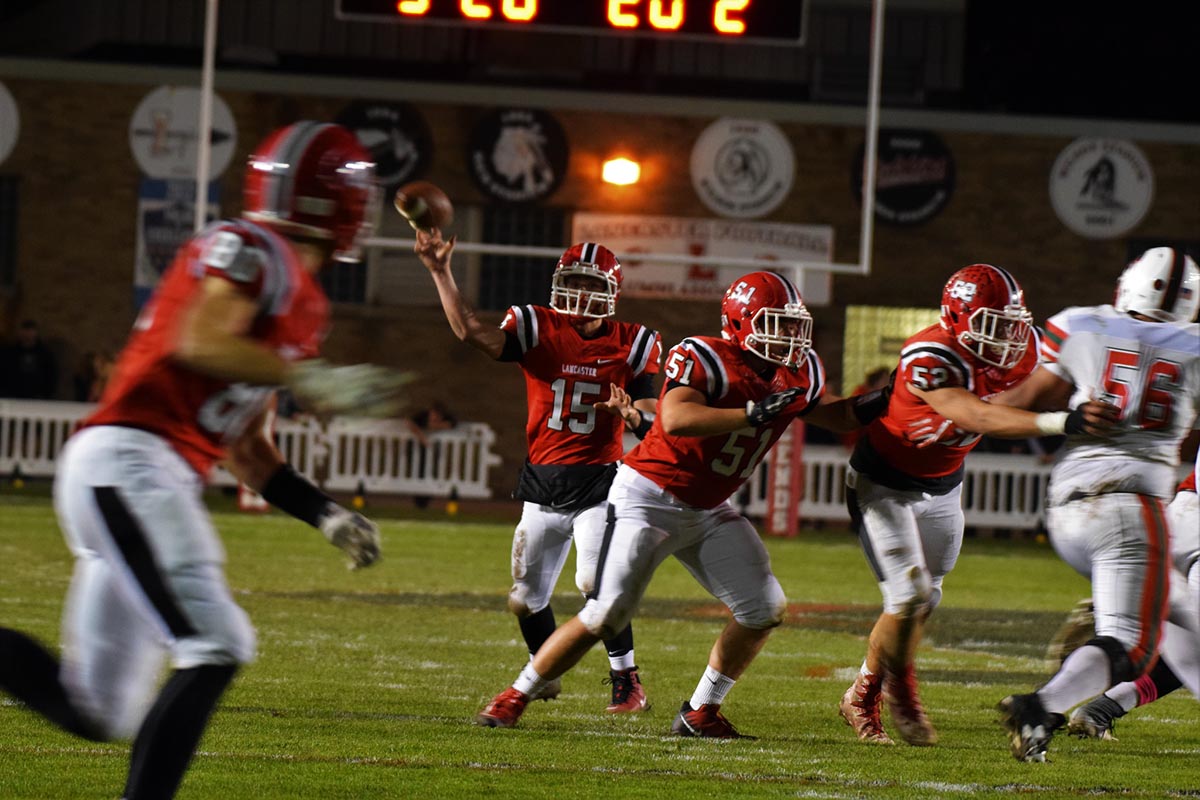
column 1105, row 512
column 577, row 361
column 725, row 402
column 238, row 312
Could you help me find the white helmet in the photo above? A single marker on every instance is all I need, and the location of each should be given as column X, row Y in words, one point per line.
column 1163, row 284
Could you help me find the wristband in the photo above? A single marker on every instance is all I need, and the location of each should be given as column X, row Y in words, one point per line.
column 292, row 493
column 1052, row 423
column 644, row 426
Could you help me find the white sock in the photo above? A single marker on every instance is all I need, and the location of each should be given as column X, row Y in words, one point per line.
column 1085, row 674
column 864, row 671
column 712, row 689
column 621, row 663
column 529, row 681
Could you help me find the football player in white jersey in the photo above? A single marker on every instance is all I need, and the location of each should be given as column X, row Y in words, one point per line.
column 1106, row 511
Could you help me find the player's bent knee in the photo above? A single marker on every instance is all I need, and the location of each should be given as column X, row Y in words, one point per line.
column 767, row 612
column 1121, row 667
column 231, row 643
column 605, row 621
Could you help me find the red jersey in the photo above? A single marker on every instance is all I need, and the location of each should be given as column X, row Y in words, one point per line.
column 199, row 415
column 706, row 471
column 566, row 375
column 931, row 359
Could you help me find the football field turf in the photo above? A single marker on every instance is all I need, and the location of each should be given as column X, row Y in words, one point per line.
column 366, row 683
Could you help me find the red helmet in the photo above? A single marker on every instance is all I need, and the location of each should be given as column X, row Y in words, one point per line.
column 983, row 307
column 763, row 313
column 589, row 260
column 312, row 179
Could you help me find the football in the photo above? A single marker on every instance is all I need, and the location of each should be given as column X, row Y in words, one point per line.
column 424, row 205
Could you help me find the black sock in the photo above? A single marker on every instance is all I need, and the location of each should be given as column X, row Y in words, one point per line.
column 29, row 672
column 620, row 644
column 536, row 628
column 168, row 737
column 1165, row 681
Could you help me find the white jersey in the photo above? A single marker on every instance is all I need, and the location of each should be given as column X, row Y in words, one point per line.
column 1151, row 370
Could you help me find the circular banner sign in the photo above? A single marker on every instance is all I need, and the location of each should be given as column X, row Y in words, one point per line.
column 742, row 168
column 1101, row 188
column 396, row 136
column 914, row 176
column 162, row 133
column 10, row 123
column 517, row 155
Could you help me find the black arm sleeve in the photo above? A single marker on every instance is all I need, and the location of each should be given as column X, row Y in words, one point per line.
column 512, row 348
column 292, row 493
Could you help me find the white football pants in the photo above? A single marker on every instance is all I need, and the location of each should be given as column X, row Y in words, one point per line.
column 148, row 576
column 911, row 540
column 540, row 546
column 718, row 546
column 1120, row 542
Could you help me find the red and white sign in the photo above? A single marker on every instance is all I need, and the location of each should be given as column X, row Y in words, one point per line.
column 785, row 482
column 630, row 234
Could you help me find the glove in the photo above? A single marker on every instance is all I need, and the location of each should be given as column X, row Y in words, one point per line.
column 358, row 390
column 354, row 534
column 770, row 407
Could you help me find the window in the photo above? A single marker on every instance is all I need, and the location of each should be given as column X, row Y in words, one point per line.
column 516, row 280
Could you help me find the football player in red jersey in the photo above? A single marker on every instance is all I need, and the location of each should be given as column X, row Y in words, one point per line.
column 587, row 377
column 904, row 483
column 725, row 402
column 239, row 311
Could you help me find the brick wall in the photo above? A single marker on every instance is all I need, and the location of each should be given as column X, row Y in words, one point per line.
column 79, row 195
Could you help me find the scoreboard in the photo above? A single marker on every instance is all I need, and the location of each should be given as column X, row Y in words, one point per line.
column 776, row 22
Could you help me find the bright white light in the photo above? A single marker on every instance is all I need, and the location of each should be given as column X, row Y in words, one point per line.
column 621, row 171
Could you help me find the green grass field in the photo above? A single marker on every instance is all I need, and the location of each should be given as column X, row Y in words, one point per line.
column 366, row 683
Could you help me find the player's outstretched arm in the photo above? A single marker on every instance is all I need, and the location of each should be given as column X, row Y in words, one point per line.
column 435, row 255
column 255, row 461
column 212, row 338
column 973, row 415
column 685, row 411
column 638, row 415
column 845, row 414
column 1041, row 391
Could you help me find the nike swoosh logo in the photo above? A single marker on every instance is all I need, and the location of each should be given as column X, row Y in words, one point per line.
column 605, row 360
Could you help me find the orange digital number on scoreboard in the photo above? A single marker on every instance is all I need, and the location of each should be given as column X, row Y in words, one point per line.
column 779, row 22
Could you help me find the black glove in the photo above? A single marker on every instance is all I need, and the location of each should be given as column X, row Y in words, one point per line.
column 770, row 407
column 1075, row 423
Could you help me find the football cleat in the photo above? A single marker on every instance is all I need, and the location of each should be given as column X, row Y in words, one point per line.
column 1077, row 630
column 1030, row 727
column 1096, row 719
column 707, row 721
column 628, row 696
column 548, row 692
column 860, row 708
column 904, row 704
column 504, row 710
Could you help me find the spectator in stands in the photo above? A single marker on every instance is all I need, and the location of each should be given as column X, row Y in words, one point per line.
column 28, row 370
column 430, row 420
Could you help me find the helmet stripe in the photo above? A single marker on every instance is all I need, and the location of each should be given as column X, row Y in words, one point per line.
column 792, row 292
column 289, row 152
column 1178, row 269
column 1013, row 288
column 588, row 254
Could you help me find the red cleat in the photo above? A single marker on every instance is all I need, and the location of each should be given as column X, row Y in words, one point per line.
column 706, row 721
column 628, row 696
column 504, row 710
column 900, row 692
column 860, row 708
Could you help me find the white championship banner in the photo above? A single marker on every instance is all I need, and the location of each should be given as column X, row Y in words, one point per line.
column 628, row 235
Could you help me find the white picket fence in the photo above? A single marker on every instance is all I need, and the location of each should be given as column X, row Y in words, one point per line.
column 999, row 491
column 383, row 455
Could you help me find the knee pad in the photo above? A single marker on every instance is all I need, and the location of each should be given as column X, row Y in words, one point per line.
column 1121, row 668
column 913, row 595
column 605, row 621
column 766, row 611
column 230, row 642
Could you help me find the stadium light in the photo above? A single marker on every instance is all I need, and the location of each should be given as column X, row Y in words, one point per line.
column 621, row 171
